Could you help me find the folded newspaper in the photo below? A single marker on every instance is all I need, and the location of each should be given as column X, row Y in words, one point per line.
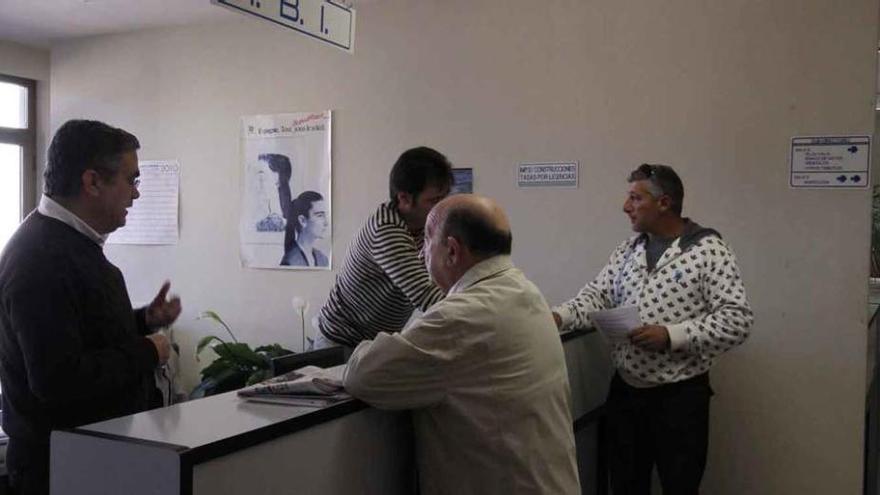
column 308, row 386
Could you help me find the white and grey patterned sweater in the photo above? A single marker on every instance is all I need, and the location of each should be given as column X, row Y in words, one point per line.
column 695, row 291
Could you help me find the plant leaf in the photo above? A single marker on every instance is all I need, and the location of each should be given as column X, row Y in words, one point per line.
column 215, row 369
column 214, row 316
column 204, row 341
column 273, row 350
column 241, row 355
column 258, row 376
column 210, row 314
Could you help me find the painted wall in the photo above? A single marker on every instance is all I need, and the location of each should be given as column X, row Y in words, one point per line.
column 31, row 63
column 716, row 89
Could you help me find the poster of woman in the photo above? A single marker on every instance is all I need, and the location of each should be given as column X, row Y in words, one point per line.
column 285, row 216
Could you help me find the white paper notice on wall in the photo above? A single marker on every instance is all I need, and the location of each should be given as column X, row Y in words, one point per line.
column 547, row 174
column 839, row 162
column 324, row 20
column 153, row 219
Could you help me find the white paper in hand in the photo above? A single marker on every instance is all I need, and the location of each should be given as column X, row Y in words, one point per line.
column 616, row 323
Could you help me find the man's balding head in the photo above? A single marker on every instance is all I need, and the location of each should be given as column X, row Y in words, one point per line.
column 461, row 231
column 478, row 223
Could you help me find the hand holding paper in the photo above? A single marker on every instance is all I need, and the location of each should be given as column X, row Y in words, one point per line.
column 616, row 324
column 651, row 337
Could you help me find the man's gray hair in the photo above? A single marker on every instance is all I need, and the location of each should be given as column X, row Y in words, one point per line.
column 662, row 180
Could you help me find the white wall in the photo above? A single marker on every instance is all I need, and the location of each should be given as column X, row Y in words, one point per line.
column 714, row 88
column 31, row 63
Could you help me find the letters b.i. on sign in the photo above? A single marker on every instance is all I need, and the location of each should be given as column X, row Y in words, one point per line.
column 324, row 20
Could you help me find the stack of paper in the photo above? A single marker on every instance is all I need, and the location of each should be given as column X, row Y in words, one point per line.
column 617, row 323
column 309, row 386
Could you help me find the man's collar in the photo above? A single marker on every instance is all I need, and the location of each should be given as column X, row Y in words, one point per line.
column 51, row 208
column 693, row 233
column 481, row 270
column 401, row 221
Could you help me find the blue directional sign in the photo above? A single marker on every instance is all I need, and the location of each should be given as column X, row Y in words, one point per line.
column 323, row 20
column 840, row 162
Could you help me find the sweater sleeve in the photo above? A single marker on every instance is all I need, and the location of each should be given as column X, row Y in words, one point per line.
column 396, row 254
column 727, row 318
column 140, row 321
column 596, row 295
column 46, row 319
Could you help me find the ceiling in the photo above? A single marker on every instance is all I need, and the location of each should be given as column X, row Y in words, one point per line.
column 40, row 22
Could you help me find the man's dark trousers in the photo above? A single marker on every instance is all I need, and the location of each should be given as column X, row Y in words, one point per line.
column 667, row 425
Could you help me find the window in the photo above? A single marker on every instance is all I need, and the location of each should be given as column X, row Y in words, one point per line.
column 17, row 152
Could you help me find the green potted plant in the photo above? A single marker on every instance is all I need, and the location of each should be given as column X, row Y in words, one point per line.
column 236, row 366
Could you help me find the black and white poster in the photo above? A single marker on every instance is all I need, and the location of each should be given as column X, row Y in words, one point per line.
column 285, row 217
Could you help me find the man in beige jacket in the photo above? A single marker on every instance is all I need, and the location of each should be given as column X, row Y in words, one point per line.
column 483, row 368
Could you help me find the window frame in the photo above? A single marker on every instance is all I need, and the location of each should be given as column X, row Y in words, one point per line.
column 27, row 139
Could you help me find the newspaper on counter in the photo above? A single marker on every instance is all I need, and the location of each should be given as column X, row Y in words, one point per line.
column 309, row 386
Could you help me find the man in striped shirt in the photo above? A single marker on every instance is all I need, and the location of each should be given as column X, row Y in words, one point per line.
column 384, row 277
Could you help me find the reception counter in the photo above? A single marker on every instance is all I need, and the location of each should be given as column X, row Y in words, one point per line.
column 223, row 445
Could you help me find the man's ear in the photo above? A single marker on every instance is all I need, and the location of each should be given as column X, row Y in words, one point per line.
column 302, row 220
column 665, row 202
column 90, row 182
column 453, row 250
column 405, row 200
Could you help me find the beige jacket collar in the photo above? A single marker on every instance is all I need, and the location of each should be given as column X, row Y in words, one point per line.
column 481, row 270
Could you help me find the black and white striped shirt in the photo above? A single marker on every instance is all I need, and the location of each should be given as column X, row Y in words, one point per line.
column 382, row 281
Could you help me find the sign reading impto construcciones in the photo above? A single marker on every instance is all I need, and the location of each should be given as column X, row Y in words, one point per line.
column 832, row 161
column 324, row 20
column 552, row 174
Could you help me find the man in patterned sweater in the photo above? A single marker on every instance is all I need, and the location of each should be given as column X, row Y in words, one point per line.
column 685, row 282
column 384, row 279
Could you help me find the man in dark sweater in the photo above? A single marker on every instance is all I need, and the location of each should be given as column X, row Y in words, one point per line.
column 72, row 349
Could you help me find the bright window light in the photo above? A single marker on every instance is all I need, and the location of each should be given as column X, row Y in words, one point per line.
column 10, row 191
column 13, row 106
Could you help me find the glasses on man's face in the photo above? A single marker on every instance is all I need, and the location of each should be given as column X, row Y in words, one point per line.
column 110, row 176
